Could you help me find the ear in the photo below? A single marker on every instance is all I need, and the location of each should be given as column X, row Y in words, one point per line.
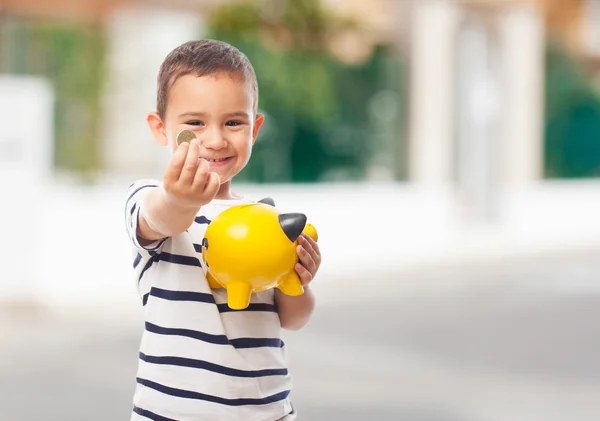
column 258, row 122
column 157, row 127
column 267, row 201
column 292, row 224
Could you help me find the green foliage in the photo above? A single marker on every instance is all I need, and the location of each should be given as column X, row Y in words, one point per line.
column 572, row 125
column 317, row 122
column 295, row 72
column 72, row 58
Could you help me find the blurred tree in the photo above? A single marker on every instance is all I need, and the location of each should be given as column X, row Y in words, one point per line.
column 572, row 122
column 71, row 56
column 317, row 123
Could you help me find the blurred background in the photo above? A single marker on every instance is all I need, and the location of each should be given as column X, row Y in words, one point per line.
column 448, row 151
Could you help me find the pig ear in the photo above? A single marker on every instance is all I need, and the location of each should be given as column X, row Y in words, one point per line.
column 267, row 201
column 292, row 224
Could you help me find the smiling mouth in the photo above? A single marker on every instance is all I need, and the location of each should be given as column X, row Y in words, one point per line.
column 217, row 160
column 213, row 163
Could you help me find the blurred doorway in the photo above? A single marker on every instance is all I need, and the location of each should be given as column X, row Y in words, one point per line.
column 476, row 116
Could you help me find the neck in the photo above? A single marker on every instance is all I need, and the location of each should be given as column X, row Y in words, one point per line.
column 225, row 192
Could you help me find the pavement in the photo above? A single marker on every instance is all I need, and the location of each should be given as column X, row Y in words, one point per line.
column 507, row 340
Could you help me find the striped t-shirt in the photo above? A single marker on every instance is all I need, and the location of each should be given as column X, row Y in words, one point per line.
column 198, row 359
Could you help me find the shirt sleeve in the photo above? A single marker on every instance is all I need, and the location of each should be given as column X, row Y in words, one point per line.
column 135, row 194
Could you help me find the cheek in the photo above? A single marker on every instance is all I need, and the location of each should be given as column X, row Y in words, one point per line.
column 171, row 134
column 242, row 139
column 172, row 142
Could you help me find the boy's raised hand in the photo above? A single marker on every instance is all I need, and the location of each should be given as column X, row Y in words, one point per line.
column 188, row 181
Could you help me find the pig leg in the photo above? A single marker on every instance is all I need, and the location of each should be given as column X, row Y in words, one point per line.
column 238, row 294
column 291, row 285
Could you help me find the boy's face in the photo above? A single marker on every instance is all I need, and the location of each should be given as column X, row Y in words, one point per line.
column 220, row 110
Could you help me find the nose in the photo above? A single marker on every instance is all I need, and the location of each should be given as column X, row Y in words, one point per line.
column 213, row 139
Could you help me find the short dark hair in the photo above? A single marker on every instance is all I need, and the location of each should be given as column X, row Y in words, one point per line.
column 203, row 58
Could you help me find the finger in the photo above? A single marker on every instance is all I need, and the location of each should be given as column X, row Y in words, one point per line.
column 311, row 246
column 212, row 185
column 306, row 259
column 201, row 176
column 174, row 169
column 304, row 274
column 191, row 163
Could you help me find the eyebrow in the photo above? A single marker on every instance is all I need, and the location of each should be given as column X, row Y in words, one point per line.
column 193, row 114
column 238, row 114
column 203, row 114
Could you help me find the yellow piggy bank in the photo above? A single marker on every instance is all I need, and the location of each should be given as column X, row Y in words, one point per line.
column 252, row 247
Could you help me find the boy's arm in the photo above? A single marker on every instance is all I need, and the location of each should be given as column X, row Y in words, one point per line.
column 170, row 209
column 295, row 312
column 154, row 208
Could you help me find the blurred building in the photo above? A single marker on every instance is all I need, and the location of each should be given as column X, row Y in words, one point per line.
column 476, row 98
column 474, row 107
column 467, row 133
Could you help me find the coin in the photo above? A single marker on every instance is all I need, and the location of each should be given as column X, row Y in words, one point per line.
column 185, row 136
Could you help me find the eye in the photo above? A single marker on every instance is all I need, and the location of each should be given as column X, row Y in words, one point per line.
column 194, row 123
column 234, row 123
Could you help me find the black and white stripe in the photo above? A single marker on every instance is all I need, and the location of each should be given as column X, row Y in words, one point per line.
column 198, row 358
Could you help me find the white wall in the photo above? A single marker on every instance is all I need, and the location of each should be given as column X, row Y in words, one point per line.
column 365, row 231
column 26, row 154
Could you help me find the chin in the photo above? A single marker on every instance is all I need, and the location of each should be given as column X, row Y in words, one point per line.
column 224, row 175
column 227, row 171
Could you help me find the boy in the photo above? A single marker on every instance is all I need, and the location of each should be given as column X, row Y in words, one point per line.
column 199, row 360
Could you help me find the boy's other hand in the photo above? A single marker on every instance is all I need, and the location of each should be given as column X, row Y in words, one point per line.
column 310, row 259
column 188, row 181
